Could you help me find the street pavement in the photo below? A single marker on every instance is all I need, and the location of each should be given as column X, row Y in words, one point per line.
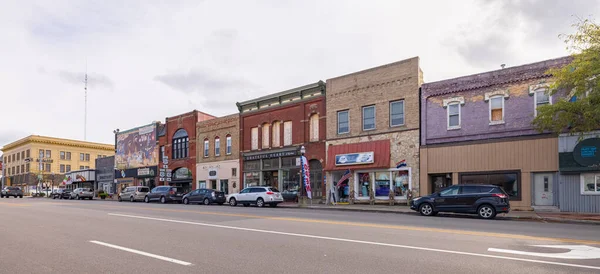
column 69, row 236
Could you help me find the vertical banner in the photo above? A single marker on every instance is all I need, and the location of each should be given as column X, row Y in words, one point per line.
column 306, row 175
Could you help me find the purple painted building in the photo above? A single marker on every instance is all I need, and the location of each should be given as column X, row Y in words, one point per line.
column 477, row 129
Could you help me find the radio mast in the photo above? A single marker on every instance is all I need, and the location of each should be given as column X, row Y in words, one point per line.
column 85, row 105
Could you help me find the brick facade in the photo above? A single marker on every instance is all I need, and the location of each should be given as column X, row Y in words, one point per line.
column 377, row 87
column 186, row 121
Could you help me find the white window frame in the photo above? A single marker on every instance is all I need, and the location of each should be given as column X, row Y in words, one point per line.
column 228, row 145
column 288, row 135
column 582, row 182
column 217, row 146
column 403, row 113
column 276, row 128
column 266, row 136
column 206, row 148
column 535, row 99
column 338, row 121
column 448, row 115
column 254, row 139
column 490, row 110
column 374, row 118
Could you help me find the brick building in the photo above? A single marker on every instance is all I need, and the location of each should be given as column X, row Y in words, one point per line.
column 273, row 129
column 218, row 153
column 477, row 129
column 373, row 133
column 177, row 141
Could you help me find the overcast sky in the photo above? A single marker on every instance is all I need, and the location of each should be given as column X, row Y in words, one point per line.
column 147, row 60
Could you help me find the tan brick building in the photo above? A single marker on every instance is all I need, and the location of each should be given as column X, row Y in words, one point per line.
column 217, row 154
column 373, row 133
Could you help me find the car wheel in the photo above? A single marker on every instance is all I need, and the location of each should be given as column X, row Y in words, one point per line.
column 426, row 209
column 21, row 196
column 486, row 212
column 206, row 201
column 260, row 202
column 186, row 201
column 120, row 199
column 163, row 200
column 77, row 197
column 273, row 205
column 131, row 199
column 146, row 199
column 232, row 202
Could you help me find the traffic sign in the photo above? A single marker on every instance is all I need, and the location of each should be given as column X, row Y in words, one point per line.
column 168, row 179
column 161, row 179
column 166, row 161
column 165, row 166
column 162, row 174
column 169, row 171
column 169, row 174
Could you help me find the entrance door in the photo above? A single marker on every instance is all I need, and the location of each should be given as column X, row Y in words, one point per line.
column 543, row 184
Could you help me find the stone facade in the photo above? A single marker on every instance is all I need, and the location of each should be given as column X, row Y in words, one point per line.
column 219, row 128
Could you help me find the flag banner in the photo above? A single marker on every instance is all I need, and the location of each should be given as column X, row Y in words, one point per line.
column 306, row 173
column 345, row 177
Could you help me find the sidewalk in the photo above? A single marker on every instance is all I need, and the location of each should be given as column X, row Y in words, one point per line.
column 555, row 217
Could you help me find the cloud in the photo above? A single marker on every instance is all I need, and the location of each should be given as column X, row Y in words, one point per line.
column 201, row 81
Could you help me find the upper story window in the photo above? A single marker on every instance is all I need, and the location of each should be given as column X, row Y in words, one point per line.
column 48, row 154
column 228, row 145
column 62, row 155
column 314, row 127
column 276, row 134
column 23, row 155
column 180, row 144
column 87, row 157
column 497, row 110
column 397, row 113
column 368, row 117
column 541, row 97
column 68, row 168
column 68, row 155
column 18, row 156
column 81, row 157
column 287, row 133
column 28, row 153
column 254, row 138
column 206, row 147
column 217, row 146
column 453, row 110
column 343, row 124
column 266, row 133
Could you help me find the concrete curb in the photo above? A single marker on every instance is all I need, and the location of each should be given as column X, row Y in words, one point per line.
column 513, row 218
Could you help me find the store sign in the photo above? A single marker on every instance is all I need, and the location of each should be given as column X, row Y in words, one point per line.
column 587, row 152
column 182, row 174
column 145, row 172
column 270, row 155
column 212, row 174
column 105, row 177
column 354, row 158
column 45, row 160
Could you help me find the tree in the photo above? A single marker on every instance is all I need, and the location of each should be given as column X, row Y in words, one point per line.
column 579, row 110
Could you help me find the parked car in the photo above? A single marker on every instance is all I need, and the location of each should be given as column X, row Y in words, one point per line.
column 204, row 196
column 257, row 195
column 82, row 193
column 61, row 193
column 483, row 200
column 164, row 194
column 11, row 191
column 134, row 193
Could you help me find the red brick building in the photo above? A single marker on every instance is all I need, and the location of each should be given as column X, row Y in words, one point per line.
column 177, row 140
column 273, row 128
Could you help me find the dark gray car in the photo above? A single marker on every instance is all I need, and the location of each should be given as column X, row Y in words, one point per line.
column 164, row 194
column 204, row 196
column 11, row 191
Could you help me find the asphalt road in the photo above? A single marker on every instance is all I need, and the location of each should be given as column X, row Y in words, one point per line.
column 64, row 236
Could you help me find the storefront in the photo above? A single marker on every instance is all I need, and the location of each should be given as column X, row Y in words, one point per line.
column 579, row 166
column 182, row 178
column 279, row 169
column 222, row 176
column 361, row 172
column 81, row 179
column 105, row 174
column 145, row 176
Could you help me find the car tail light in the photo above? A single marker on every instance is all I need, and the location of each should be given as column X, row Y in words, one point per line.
column 172, row 192
column 270, row 193
column 212, row 194
column 502, row 196
column 80, row 192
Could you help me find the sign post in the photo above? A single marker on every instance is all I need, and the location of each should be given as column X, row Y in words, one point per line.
column 165, row 172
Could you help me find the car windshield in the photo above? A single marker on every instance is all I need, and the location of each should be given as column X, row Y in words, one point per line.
column 144, row 189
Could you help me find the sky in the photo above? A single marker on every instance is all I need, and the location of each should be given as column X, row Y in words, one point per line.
column 147, row 60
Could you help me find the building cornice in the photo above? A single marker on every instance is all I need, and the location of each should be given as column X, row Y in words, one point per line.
column 36, row 139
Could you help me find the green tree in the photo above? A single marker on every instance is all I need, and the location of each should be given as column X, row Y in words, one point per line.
column 579, row 110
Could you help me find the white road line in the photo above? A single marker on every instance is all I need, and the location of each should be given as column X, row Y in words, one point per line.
column 357, row 241
column 143, row 253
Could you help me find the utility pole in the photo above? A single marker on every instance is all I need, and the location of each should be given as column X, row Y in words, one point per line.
column 85, row 105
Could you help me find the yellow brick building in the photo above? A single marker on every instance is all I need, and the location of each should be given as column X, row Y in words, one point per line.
column 24, row 160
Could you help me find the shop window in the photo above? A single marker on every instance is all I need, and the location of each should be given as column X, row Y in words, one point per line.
column 217, row 146
column 541, row 97
column 497, row 110
column 590, row 183
column 292, row 161
column 290, row 184
column 266, row 133
column 453, row 115
column 368, row 117
column 81, row 167
column 276, row 134
column 206, row 147
column 271, row 163
column 254, row 136
column 228, row 145
column 180, row 144
column 287, row 133
column 252, row 165
column 251, row 179
column 509, row 181
column 316, row 178
column 382, row 184
column 400, row 183
column 397, row 113
column 314, row 127
column 439, row 182
column 364, row 185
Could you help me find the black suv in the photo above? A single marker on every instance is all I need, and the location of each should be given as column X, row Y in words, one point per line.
column 483, row 200
column 11, row 191
column 164, row 194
